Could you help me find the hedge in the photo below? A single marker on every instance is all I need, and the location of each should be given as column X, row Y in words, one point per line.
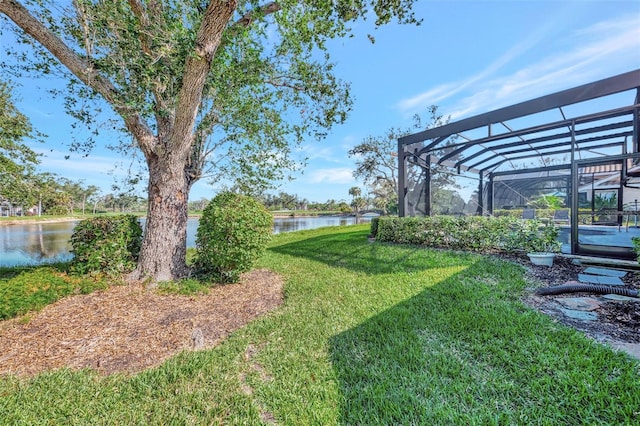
column 469, row 233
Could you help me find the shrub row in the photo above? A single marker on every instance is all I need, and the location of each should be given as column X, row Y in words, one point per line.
column 517, row 213
column 475, row 233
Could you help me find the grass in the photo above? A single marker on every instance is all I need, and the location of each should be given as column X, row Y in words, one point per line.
column 306, row 212
column 76, row 215
column 368, row 334
column 30, row 288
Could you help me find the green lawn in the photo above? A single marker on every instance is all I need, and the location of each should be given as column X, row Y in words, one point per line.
column 368, row 334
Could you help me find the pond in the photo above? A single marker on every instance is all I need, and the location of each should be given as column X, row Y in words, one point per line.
column 43, row 242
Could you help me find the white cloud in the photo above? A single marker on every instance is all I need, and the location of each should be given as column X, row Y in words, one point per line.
column 314, row 152
column 56, row 161
column 325, row 152
column 338, row 175
column 444, row 91
column 430, row 97
column 599, row 51
column 349, row 142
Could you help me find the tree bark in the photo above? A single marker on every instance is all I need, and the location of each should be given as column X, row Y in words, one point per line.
column 164, row 246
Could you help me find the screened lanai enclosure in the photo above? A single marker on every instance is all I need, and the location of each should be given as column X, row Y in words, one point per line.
column 572, row 156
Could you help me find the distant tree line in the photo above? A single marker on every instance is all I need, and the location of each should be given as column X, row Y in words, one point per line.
column 285, row 201
column 25, row 191
column 48, row 194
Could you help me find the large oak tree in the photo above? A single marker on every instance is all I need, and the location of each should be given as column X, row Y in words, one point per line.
column 224, row 87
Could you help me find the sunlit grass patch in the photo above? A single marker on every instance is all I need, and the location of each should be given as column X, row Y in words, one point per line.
column 186, row 287
column 30, row 289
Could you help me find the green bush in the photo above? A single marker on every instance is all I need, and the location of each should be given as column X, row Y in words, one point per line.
column 374, row 227
column 233, row 233
column 636, row 247
column 533, row 236
column 483, row 234
column 57, row 211
column 108, row 245
column 517, row 213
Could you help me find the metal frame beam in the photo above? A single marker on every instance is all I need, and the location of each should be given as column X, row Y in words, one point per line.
column 558, row 151
column 497, row 149
column 607, row 86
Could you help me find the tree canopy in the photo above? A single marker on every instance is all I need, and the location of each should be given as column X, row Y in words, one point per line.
column 376, row 160
column 206, row 88
column 264, row 82
column 16, row 158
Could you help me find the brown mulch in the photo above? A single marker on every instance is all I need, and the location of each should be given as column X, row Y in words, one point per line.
column 617, row 321
column 128, row 328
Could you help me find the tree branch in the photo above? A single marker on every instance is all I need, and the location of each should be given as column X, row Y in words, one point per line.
column 264, row 10
column 279, row 83
column 163, row 119
column 196, row 70
column 199, row 151
column 138, row 10
column 83, row 69
column 82, row 17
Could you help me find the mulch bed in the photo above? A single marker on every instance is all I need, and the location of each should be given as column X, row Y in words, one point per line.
column 128, row 329
column 617, row 321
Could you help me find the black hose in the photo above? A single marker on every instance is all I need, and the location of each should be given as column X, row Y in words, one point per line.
column 587, row 288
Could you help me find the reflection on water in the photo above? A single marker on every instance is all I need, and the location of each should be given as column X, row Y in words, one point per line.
column 290, row 224
column 35, row 243
column 48, row 242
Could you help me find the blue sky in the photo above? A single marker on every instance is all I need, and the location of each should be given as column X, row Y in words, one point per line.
column 467, row 57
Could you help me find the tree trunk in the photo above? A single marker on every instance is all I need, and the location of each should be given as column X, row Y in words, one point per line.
column 164, row 247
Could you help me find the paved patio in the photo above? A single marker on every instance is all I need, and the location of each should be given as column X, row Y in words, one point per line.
column 613, row 236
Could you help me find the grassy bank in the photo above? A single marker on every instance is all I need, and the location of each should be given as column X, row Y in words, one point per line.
column 305, row 213
column 368, row 334
column 76, row 216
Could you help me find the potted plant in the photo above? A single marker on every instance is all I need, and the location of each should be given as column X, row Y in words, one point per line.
column 636, row 247
column 540, row 242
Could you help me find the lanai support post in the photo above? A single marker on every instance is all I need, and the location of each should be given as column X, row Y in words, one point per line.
column 490, row 194
column 636, row 123
column 574, row 193
column 402, row 177
column 480, row 209
column 427, row 187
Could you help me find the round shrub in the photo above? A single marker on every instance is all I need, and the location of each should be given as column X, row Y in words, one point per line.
column 108, row 245
column 233, row 233
column 374, row 227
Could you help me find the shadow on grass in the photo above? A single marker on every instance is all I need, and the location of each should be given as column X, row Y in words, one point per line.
column 463, row 352
column 352, row 251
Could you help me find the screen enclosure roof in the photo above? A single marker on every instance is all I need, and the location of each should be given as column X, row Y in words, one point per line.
column 588, row 121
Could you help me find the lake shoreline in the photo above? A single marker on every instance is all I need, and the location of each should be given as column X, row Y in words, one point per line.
column 39, row 220
column 42, row 219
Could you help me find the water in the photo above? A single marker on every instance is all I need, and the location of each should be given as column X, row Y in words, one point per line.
column 35, row 243
column 45, row 242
